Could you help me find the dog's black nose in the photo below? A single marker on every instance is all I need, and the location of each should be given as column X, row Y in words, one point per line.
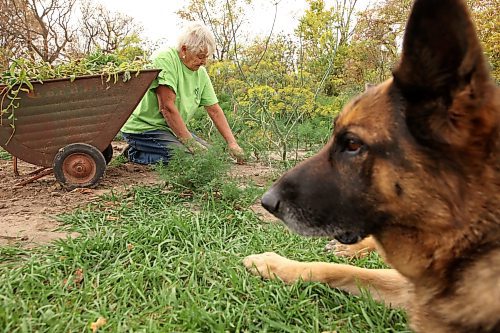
column 270, row 201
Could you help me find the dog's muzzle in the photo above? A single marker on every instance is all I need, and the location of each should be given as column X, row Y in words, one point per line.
column 274, row 202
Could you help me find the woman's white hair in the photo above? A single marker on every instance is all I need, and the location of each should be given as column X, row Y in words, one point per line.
column 197, row 38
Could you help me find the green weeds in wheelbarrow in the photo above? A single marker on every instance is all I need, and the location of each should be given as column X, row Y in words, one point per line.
column 22, row 72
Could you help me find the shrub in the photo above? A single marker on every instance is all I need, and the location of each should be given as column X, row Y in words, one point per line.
column 199, row 173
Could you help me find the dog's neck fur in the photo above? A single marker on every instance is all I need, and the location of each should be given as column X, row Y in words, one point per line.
column 420, row 254
column 435, row 276
column 446, row 259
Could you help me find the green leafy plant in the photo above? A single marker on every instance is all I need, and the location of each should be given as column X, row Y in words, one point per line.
column 199, row 173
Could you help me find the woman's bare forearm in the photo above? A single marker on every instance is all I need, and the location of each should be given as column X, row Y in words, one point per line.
column 166, row 103
column 217, row 115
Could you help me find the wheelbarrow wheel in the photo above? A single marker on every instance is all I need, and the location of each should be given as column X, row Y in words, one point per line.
column 108, row 153
column 79, row 165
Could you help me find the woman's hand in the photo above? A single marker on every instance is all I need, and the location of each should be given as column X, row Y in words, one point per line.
column 236, row 152
column 217, row 115
column 193, row 146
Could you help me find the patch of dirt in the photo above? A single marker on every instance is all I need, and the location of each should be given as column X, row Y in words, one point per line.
column 260, row 175
column 28, row 213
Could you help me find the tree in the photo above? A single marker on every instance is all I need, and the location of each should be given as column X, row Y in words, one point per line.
column 378, row 35
column 9, row 44
column 45, row 30
column 324, row 33
column 224, row 18
column 104, row 30
column 41, row 27
column 376, row 42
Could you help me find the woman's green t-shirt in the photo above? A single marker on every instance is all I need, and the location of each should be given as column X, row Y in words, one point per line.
column 192, row 89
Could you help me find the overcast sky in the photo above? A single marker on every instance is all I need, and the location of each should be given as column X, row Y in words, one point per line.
column 161, row 23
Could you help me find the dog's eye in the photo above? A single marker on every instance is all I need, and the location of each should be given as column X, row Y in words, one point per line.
column 353, row 146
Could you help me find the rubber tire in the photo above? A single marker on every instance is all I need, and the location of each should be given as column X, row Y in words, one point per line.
column 72, row 159
column 108, row 153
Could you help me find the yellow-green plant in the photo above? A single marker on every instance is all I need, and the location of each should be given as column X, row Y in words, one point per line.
column 276, row 113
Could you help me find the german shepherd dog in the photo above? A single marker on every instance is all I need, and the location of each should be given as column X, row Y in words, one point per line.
column 414, row 163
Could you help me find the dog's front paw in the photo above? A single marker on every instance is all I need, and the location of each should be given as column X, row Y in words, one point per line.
column 358, row 250
column 339, row 249
column 269, row 265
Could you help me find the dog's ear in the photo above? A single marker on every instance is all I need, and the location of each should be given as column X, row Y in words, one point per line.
column 444, row 78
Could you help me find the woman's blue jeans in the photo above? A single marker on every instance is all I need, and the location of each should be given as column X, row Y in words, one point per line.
column 153, row 146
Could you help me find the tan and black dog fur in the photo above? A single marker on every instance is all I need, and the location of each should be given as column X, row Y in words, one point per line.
column 415, row 163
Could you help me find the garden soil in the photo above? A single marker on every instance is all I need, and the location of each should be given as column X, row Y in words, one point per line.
column 28, row 213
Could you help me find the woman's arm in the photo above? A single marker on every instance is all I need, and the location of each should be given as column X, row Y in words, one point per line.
column 166, row 103
column 217, row 115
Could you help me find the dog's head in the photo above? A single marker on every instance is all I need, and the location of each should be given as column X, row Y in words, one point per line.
column 406, row 151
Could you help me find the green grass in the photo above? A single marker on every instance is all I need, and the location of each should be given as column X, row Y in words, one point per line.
column 156, row 260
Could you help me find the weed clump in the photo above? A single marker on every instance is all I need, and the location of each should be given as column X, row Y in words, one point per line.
column 198, row 173
column 206, row 176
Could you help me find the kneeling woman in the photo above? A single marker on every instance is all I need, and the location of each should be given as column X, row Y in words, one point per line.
column 158, row 124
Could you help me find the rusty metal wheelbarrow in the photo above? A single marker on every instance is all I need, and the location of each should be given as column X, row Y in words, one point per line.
column 66, row 127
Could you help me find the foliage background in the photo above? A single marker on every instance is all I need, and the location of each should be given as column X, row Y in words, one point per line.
column 279, row 91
